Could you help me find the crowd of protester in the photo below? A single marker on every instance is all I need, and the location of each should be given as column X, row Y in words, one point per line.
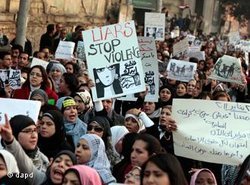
column 78, row 141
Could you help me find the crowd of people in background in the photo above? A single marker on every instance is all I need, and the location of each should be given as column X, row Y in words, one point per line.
column 78, row 141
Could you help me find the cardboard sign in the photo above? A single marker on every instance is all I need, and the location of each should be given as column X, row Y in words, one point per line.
column 65, row 50
column 181, row 47
column 37, row 61
column 181, row 70
column 25, row 107
column 114, row 61
column 155, row 25
column 227, row 69
column 217, row 132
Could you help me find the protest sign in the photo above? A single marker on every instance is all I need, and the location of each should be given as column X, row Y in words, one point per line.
column 154, row 25
column 181, row 70
column 234, row 38
column 25, row 107
column 181, row 47
column 80, row 50
column 37, row 61
column 200, row 55
column 114, row 61
column 11, row 77
column 190, row 38
column 217, row 132
column 227, row 69
column 65, row 50
column 150, row 68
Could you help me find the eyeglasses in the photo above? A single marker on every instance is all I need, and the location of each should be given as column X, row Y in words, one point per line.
column 96, row 129
column 35, row 74
column 30, row 131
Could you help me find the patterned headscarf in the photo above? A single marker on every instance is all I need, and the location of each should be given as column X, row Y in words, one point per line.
column 99, row 160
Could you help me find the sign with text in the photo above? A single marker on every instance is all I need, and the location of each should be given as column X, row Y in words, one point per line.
column 200, row 55
column 114, row 60
column 80, row 50
column 37, row 61
column 217, row 132
column 181, row 70
column 227, row 69
column 65, row 50
column 155, row 25
column 25, row 107
column 12, row 76
column 150, row 68
column 181, row 48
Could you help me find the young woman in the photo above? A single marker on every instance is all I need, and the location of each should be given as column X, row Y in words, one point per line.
column 243, row 176
column 203, row 176
column 68, row 85
column 56, row 72
column 37, row 79
column 52, row 135
column 133, row 177
column 54, row 175
column 81, row 175
column 162, row 169
column 91, row 152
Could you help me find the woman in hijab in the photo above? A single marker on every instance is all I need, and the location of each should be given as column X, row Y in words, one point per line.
column 9, row 170
column 52, row 135
column 91, row 152
column 25, row 132
column 81, row 174
column 203, row 176
column 56, row 73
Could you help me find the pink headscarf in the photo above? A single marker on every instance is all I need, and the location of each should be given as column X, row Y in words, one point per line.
column 88, row 175
column 195, row 175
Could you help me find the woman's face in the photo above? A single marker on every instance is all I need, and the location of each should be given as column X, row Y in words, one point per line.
column 190, row 87
column 95, row 128
column 80, row 106
column 204, row 177
column 28, row 137
column 47, row 127
column 133, row 177
column 58, row 167
column 165, row 115
column 118, row 146
column 71, row 179
column 149, row 107
column 82, row 152
column 63, row 87
column 36, row 77
column 139, row 153
column 154, row 175
column 3, row 168
column 181, row 90
column 69, row 68
column 106, row 75
column 165, row 94
column 56, row 74
column 70, row 114
column 131, row 124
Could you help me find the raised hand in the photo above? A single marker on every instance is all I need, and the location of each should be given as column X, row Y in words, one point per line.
column 6, row 131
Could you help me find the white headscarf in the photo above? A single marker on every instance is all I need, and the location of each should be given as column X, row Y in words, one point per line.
column 99, row 159
column 117, row 133
column 139, row 122
column 10, row 161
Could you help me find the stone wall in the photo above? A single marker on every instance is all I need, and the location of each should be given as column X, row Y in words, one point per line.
column 43, row 12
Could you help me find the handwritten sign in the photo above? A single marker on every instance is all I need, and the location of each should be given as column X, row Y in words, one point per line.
column 181, row 70
column 181, row 47
column 12, row 76
column 217, row 132
column 37, row 61
column 155, row 25
column 25, row 107
column 65, row 50
column 114, row 61
column 227, row 69
column 150, row 68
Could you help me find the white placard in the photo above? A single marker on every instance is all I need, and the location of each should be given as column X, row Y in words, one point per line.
column 113, row 59
column 155, row 25
column 65, row 50
column 227, row 69
column 13, row 107
column 181, row 70
column 217, row 132
column 37, row 61
column 181, row 47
